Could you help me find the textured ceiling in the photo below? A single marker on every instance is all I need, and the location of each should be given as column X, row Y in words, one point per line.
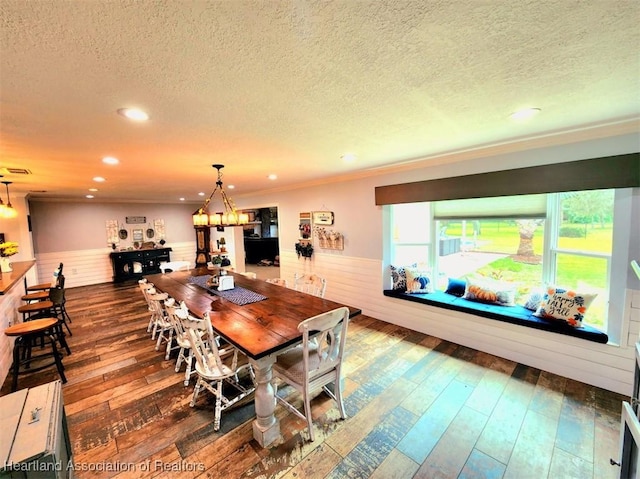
column 287, row 87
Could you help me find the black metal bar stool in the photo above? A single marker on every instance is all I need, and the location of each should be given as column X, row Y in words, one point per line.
column 36, row 296
column 35, row 310
column 44, row 286
column 27, row 334
column 45, row 309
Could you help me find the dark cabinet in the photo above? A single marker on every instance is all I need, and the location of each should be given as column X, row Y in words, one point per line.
column 134, row 264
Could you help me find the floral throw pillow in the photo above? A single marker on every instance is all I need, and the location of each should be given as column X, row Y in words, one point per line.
column 565, row 305
column 418, row 280
column 399, row 277
column 488, row 291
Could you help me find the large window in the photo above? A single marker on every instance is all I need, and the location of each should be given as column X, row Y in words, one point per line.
column 563, row 239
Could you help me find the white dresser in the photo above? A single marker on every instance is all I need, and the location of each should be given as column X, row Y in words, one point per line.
column 34, row 440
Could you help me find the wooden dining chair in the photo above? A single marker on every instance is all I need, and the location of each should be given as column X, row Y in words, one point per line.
column 146, row 289
column 310, row 284
column 316, row 363
column 162, row 327
column 215, row 366
column 177, row 313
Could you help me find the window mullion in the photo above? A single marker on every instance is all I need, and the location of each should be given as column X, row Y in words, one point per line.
column 551, row 239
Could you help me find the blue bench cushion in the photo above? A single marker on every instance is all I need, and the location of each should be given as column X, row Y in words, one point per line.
column 511, row 314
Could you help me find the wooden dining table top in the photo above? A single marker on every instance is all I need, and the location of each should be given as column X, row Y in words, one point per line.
column 257, row 329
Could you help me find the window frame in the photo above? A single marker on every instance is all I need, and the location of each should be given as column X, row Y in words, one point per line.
column 616, row 328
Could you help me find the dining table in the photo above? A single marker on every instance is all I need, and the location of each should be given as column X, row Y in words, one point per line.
column 259, row 318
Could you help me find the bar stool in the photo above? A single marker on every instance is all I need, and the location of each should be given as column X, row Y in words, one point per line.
column 35, row 310
column 35, row 296
column 45, row 286
column 26, row 335
column 56, row 296
column 45, row 309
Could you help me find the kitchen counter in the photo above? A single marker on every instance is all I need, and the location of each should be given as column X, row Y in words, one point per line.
column 8, row 280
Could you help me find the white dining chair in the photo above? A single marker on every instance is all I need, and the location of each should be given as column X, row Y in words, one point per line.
column 249, row 274
column 162, row 327
column 278, row 281
column 310, row 284
column 177, row 313
column 147, row 289
column 215, row 366
column 316, row 363
column 170, row 266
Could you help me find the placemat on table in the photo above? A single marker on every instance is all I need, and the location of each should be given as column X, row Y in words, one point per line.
column 237, row 295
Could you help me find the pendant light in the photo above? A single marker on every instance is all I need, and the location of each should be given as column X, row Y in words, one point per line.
column 2, row 205
column 8, row 211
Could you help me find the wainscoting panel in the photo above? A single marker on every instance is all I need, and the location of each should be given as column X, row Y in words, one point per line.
column 359, row 282
column 85, row 267
column 9, row 304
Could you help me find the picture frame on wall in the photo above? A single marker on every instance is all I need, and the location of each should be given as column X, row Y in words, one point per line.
column 137, row 234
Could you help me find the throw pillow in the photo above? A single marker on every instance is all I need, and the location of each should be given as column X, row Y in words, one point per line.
column 565, row 305
column 418, row 281
column 489, row 291
column 534, row 299
column 456, row 287
column 399, row 277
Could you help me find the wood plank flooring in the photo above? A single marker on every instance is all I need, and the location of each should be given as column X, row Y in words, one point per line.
column 418, row 407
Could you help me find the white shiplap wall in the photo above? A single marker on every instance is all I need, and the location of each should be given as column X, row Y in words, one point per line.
column 85, row 267
column 9, row 303
column 358, row 282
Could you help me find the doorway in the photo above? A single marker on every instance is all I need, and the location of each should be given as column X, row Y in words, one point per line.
column 261, row 242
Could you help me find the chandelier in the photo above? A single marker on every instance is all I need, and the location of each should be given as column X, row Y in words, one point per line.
column 229, row 216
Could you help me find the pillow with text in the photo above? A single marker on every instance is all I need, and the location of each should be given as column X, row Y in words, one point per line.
column 565, row 305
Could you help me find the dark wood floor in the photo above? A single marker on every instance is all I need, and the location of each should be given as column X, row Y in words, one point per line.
column 418, row 407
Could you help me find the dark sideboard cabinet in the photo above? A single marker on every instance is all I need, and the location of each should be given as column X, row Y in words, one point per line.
column 134, row 264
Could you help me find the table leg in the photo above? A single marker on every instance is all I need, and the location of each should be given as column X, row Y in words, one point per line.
column 266, row 428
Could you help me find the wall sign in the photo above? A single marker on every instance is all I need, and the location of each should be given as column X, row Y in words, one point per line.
column 323, row 217
column 136, row 220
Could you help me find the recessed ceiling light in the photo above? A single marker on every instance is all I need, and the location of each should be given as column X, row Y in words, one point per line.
column 133, row 114
column 181, row 199
column 231, row 187
column 89, row 196
column 348, row 157
column 524, row 113
column 110, row 160
column 98, row 179
column 93, row 189
column 272, row 176
column 201, row 193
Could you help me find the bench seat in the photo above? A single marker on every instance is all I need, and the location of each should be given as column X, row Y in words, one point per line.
column 511, row 314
